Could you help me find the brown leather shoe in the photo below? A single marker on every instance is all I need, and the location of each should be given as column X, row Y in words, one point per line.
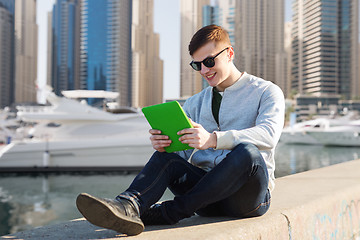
column 119, row 215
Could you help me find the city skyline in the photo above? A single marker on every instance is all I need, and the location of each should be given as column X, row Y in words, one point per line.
column 112, row 49
column 166, row 24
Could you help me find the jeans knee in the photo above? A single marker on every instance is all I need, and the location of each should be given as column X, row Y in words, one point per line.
column 246, row 156
column 158, row 158
column 245, row 152
column 247, row 149
column 162, row 158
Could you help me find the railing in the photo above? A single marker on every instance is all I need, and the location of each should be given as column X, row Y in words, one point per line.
column 29, row 109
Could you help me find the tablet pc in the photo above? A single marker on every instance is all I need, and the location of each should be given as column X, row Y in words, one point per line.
column 169, row 118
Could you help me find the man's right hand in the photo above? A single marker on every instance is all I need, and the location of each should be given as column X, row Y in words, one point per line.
column 158, row 141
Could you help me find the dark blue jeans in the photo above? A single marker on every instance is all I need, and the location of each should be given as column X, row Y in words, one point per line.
column 236, row 187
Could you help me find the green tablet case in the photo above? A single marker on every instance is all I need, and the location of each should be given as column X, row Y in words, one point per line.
column 170, row 118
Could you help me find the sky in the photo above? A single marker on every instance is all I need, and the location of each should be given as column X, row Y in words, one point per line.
column 166, row 23
column 42, row 9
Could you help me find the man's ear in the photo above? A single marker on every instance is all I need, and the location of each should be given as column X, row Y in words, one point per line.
column 231, row 53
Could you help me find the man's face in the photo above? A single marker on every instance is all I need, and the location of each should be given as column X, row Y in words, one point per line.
column 217, row 75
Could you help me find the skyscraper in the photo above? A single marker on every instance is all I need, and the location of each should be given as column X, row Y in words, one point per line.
column 259, row 36
column 25, row 51
column 286, row 85
column 8, row 5
column 325, row 47
column 191, row 21
column 65, row 45
column 6, row 56
column 226, row 17
column 105, row 47
column 147, row 67
column 222, row 13
column 119, row 50
column 210, row 15
column 90, row 46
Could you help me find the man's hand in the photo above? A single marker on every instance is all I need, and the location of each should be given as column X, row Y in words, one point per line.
column 159, row 142
column 198, row 137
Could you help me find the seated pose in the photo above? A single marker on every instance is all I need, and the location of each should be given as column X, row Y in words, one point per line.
column 237, row 123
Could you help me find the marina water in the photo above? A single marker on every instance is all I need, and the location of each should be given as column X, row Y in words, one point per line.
column 28, row 201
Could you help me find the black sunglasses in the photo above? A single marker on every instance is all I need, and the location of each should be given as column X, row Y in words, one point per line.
column 208, row 62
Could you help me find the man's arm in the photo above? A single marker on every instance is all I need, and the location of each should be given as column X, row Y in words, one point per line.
column 268, row 127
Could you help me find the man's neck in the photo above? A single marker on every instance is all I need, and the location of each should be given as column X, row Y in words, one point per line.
column 233, row 78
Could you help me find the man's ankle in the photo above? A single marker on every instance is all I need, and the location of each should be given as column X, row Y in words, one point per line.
column 130, row 198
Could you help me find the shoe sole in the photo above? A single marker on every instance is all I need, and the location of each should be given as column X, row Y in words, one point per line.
column 98, row 213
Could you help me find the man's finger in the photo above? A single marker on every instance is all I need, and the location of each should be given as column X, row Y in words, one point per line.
column 154, row 131
column 159, row 137
column 186, row 131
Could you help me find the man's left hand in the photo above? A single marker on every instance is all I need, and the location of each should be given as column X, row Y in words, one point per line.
column 197, row 137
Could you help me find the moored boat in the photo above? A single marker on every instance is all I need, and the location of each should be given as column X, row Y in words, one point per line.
column 73, row 136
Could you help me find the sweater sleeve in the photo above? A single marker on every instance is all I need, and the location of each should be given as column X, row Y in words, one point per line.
column 268, row 126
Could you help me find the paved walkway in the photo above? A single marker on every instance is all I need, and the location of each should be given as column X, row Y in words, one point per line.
column 318, row 204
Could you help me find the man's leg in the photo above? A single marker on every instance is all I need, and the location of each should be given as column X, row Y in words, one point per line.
column 162, row 171
column 123, row 214
column 244, row 164
column 242, row 171
column 252, row 200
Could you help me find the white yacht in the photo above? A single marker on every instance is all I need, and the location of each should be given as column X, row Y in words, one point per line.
column 346, row 135
column 299, row 133
column 72, row 136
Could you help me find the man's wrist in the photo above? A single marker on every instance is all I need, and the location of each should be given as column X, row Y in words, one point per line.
column 214, row 140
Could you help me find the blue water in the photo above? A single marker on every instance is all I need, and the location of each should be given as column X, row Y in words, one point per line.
column 28, row 201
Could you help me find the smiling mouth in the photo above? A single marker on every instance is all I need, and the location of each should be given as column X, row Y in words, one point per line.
column 211, row 76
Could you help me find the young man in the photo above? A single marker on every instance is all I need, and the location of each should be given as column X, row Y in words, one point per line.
column 237, row 123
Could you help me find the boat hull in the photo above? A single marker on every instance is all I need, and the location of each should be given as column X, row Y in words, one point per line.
column 297, row 137
column 98, row 155
column 337, row 138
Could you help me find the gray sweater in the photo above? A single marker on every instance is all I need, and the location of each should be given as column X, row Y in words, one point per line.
column 252, row 110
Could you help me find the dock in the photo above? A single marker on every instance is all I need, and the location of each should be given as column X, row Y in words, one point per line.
column 317, row 204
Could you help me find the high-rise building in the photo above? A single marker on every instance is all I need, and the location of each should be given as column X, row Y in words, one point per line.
column 119, row 50
column 26, row 30
column 259, row 36
column 210, row 15
column 90, row 47
column 226, row 17
column 49, row 51
column 325, row 47
column 8, row 5
column 286, row 85
column 106, row 45
column 64, row 42
column 147, row 67
column 6, row 56
column 191, row 21
column 222, row 13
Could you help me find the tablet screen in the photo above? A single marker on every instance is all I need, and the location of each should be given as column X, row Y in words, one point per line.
column 169, row 118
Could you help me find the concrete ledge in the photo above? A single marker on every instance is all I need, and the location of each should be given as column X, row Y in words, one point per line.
column 318, row 204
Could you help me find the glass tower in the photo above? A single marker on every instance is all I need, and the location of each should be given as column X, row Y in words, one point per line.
column 8, row 5
column 105, row 47
column 325, row 47
column 6, row 54
column 65, row 37
column 94, row 32
column 210, row 15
